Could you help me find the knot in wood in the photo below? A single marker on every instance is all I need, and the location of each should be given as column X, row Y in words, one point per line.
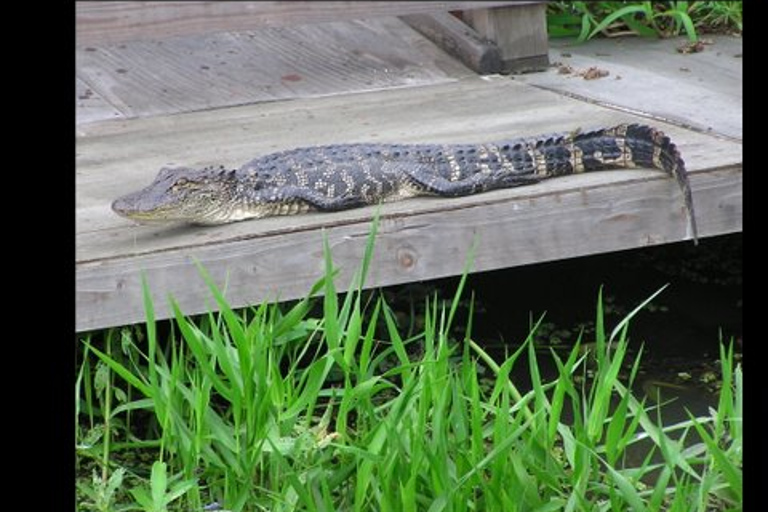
column 406, row 257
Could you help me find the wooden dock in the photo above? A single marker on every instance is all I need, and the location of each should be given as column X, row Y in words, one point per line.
column 228, row 96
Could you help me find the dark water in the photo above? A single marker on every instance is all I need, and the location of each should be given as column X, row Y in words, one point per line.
column 702, row 300
column 679, row 333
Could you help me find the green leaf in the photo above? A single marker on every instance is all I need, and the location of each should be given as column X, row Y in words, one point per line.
column 143, row 498
column 625, row 321
column 620, row 13
column 730, row 471
column 330, row 301
column 682, row 18
column 564, row 385
column 352, row 336
column 122, row 371
column 159, row 483
column 201, row 349
column 460, row 287
column 179, row 489
column 639, row 27
column 628, row 492
column 586, row 23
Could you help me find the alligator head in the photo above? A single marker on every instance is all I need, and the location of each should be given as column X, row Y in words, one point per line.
column 200, row 196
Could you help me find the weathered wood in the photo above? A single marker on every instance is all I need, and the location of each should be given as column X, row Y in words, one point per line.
column 99, row 23
column 704, row 90
column 459, row 40
column 143, row 78
column 512, row 228
column 519, row 31
column 91, row 105
column 115, row 157
column 421, row 238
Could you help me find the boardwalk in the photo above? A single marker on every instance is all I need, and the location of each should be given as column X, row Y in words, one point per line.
column 225, row 98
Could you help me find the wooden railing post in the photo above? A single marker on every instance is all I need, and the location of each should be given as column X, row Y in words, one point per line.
column 519, row 30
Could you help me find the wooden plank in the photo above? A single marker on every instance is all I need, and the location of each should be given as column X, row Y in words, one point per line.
column 703, row 90
column 115, row 157
column 519, row 31
column 143, row 78
column 538, row 224
column 91, row 106
column 421, row 238
column 459, row 40
column 99, row 23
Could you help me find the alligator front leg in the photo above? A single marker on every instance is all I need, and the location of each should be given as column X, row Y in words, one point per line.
column 308, row 199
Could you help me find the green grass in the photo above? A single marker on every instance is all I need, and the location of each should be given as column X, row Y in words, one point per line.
column 276, row 408
column 585, row 20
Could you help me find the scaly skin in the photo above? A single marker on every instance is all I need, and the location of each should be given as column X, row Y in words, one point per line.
column 338, row 177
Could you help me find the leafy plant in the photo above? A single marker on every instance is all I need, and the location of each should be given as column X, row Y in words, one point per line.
column 724, row 16
column 586, row 20
column 101, row 494
column 159, row 495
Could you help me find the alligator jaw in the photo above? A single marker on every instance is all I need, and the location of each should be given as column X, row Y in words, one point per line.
column 130, row 207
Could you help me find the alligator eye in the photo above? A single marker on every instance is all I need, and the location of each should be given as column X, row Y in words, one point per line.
column 179, row 184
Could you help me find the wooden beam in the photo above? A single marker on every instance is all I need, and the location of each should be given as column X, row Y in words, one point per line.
column 113, row 22
column 520, row 31
column 458, row 39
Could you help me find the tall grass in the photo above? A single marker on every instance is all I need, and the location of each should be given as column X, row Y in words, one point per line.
column 273, row 408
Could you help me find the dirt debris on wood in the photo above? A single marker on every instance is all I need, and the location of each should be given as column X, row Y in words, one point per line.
column 591, row 73
column 694, row 46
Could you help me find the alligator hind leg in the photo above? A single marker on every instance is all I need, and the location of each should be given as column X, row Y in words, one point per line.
column 424, row 179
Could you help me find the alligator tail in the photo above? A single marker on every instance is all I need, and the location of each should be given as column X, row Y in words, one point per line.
column 635, row 145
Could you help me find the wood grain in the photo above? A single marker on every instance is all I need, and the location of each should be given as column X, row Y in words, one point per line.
column 705, row 92
column 91, row 106
column 112, row 22
column 459, row 40
column 520, row 32
column 149, row 78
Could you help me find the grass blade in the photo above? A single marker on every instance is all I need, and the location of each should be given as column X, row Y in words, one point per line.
column 123, row 372
column 625, row 321
column 730, row 471
column 619, row 13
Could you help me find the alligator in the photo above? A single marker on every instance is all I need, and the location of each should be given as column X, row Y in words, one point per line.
column 343, row 176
